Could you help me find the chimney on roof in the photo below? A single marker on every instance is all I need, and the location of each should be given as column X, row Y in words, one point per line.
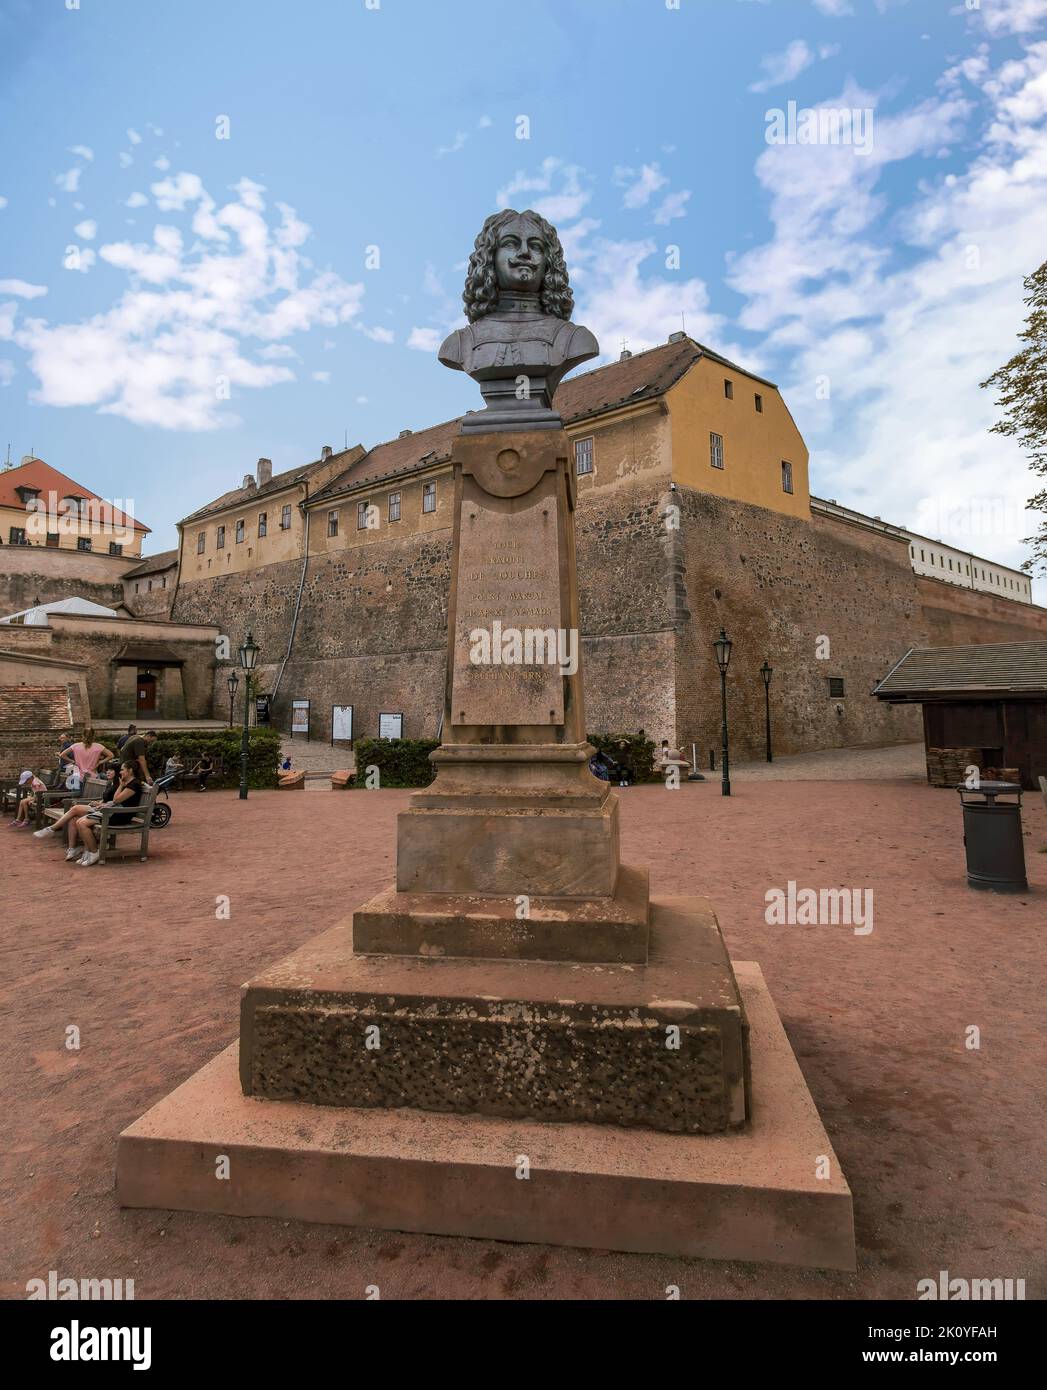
column 403, row 434
column 326, row 452
column 248, row 480
column 265, row 472
column 626, row 354
column 677, row 337
column 28, row 458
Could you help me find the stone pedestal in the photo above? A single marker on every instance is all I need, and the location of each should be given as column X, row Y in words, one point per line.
column 516, row 991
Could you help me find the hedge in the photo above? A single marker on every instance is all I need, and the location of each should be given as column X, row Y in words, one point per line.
column 401, row 762
column 404, row 762
column 635, row 752
column 263, row 753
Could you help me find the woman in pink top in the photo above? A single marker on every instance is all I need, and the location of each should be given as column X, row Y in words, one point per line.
column 87, row 754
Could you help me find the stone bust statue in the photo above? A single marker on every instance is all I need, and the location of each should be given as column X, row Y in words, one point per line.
column 520, row 342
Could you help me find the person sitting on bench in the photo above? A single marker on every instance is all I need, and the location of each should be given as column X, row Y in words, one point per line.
column 202, row 771
column 30, row 785
column 128, row 794
column 69, row 819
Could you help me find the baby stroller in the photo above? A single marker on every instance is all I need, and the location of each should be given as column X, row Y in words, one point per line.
column 162, row 811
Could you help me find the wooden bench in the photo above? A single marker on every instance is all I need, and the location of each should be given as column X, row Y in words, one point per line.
column 140, row 819
column 217, row 770
column 94, row 789
column 56, row 795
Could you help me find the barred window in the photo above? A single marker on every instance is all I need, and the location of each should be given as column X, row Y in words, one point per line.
column 583, row 456
column 394, row 506
column 836, row 690
column 285, row 517
column 220, row 539
column 83, row 543
column 201, row 542
column 115, row 548
column 429, row 497
column 263, row 524
column 332, row 523
column 716, row 449
column 239, row 531
column 361, row 516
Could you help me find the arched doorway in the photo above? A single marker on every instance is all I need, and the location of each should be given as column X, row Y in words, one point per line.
column 146, row 701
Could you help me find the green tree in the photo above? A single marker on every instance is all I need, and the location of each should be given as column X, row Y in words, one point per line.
column 1022, row 383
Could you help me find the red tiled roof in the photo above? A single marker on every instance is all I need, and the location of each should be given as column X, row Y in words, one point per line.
column 643, row 376
column 248, row 495
column 40, row 475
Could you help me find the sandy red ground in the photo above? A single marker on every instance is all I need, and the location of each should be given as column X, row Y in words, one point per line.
column 941, row 1144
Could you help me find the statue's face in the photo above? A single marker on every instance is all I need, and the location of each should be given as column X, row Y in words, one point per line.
column 521, row 256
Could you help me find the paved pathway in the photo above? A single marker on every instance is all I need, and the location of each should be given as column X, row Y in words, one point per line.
column 937, row 1141
column 904, row 760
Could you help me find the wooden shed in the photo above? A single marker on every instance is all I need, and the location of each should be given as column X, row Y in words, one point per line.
column 984, row 705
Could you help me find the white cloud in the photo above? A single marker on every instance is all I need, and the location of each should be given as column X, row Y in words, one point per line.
column 484, row 122
column 378, row 335
column 22, row 288
column 361, row 400
column 903, row 310
column 196, row 313
column 834, row 8
column 162, row 163
column 675, row 205
column 134, row 137
column 425, row 339
column 455, row 145
column 136, row 200
column 784, row 66
column 639, row 185
column 125, row 160
column 275, row 351
column 69, row 182
column 7, row 371
column 3, row 202
column 1002, row 17
column 562, row 206
column 82, row 151
column 322, row 377
column 85, row 259
column 87, row 229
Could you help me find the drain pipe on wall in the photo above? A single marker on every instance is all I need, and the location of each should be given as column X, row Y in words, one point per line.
column 304, row 504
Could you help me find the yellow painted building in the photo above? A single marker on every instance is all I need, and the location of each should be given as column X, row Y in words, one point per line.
column 259, row 523
column 41, row 506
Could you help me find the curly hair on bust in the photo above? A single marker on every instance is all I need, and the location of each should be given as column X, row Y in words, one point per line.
column 480, row 295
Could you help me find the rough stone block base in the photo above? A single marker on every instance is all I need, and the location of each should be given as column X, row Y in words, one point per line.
column 662, row 1045
column 612, row 930
column 747, row 1195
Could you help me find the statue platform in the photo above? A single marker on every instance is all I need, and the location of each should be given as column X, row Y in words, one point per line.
column 751, row 1194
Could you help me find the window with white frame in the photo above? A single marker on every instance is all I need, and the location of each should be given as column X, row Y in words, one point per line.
column 716, row 449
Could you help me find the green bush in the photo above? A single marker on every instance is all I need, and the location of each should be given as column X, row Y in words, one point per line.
column 635, row 752
column 401, row 762
column 263, row 753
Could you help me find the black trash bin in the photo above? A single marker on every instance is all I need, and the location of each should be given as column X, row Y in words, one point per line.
column 992, row 836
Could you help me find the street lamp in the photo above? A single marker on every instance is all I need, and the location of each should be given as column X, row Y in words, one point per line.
column 722, row 648
column 232, row 683
column 248, row 658
column 766, row 671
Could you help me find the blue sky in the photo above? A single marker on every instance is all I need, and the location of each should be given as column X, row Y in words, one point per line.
column 218, row 305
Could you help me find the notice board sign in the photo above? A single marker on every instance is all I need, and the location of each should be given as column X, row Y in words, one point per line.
column 300, row 717
column 342, row 724
column 390, row 726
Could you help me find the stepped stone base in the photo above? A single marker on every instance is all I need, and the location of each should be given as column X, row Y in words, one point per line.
column 751, row 1194
column 613, row 930
column 663, row 1045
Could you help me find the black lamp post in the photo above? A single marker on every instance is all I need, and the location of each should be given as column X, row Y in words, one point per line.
column 248, row 658
column 766, row 671
column 232, row 683
column 722, row 648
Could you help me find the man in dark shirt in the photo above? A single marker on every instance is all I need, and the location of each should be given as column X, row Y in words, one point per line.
column 132, row 729
column 135, row 750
